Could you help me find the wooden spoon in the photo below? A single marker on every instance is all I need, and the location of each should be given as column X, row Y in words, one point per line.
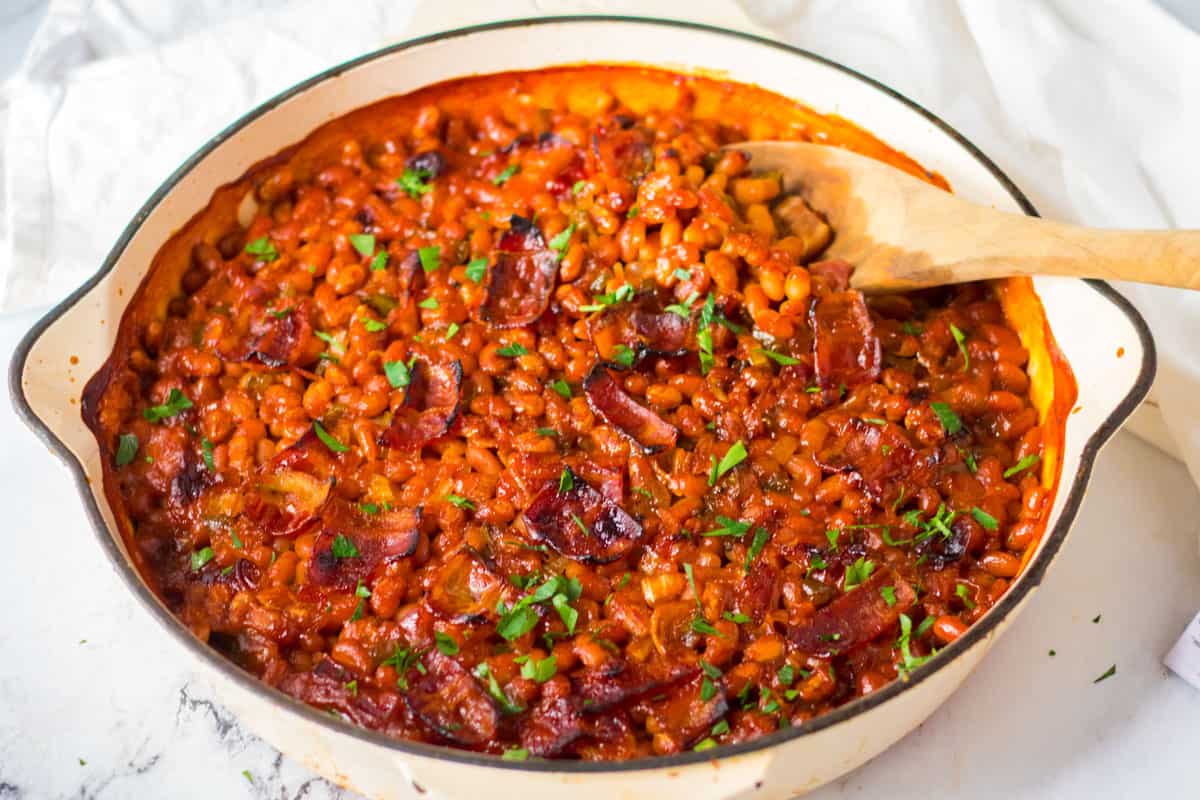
column 902, row 233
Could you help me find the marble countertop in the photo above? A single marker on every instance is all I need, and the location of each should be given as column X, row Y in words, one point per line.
column 96, row 702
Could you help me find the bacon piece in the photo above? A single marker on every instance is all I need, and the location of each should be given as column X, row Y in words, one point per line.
column 451, row 702
column 465, row 589
column 244, row 576
column 277, row 341
column 621, row 151
column 855, row 618
column 619, row 682
column 834, row 273
column 429, row 162
column 801, row 221
column 430, row 405
column 642, row 327
column 641, row 425
column 685, row 713
column 878, row 454
column 758, row 591
column 375, row 538
column 581, row 523
column 846, row 351
column 522, row 236
column 552, row 725
column 325, row 688
column 292, row 487
column 191, row 481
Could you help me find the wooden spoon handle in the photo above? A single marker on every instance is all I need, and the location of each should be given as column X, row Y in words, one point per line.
column 977, row 243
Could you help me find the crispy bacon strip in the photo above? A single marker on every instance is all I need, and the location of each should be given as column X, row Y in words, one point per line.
column 641, row 425
column 352, row 544
column 621, row 150
column 619, row 682
column 846, row 351
column 325, row 688
column 466, row 588
column 878, row 454
column 276, row 341
column 521, row 279
column 449, row 700
column 641, row 326
column 581, row 523
column 430, row 406
column 855, row 618
column 686, row 713
column 552, row 726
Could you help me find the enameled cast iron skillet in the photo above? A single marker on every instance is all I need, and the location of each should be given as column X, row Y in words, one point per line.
column 1105, row 341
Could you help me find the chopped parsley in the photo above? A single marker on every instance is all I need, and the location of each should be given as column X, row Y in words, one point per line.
column 733, row 456
column 985, row 519
column 729, row 527
column 373, row 325
column 413, row 181
column 177, row 401
column 888, row 593
column 514, row 350
column 563, row 388
column 429, row 302
column 343, row 547
column 760, row 540
column 127, row 447
column 682, row 274
column 515, row 754
column 202, row 557
column 508, row 172
column 402, row 660
column 482, row 670
column 566, row 481
column 431, row 257
column 364, row 243
column 621, row 294
column 707, row 743
column 562, row 241
column 262, row 249
column 701, row 625
column 945, row 414
column 908, row 662
column 691, row 579
column 476, row 269
column 623, row 356
column 858, row 572
column 737, row 619
column 779, row 358
column 451, row 330
column 398, row 373
column 379, row 261
column 1108, row 673
column 964, row 594
column 330, row 442
column 1022, row 465
column 546, row 432
column 684, row 309
column 960, row 339
column 521, row 617
column 446, row 643
column 460, row 502
column 540, row 670
column 207, row 453
column 704, row 333
column 578, row 187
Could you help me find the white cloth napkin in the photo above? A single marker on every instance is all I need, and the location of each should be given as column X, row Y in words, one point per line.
column 1090, row 105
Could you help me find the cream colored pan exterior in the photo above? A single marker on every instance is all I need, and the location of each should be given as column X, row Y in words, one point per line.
column 1090, row 321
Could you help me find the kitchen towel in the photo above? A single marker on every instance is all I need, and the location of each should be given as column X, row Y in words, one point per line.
column 1088, row 104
